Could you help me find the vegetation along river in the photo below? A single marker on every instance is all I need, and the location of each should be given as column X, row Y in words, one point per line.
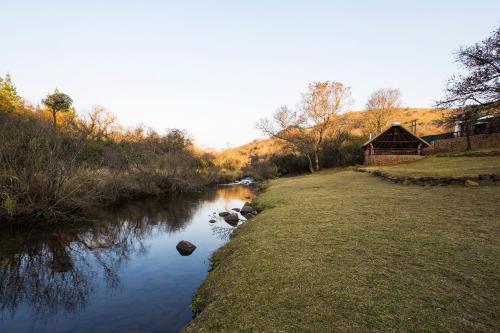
column 121, row 273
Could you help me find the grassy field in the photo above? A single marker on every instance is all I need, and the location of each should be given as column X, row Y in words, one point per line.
column 444, row 167
column 345, row 251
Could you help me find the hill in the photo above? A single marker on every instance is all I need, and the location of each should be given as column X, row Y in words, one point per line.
column 425, row 126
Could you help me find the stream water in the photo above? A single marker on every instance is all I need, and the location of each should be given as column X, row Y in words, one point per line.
column 119, row 274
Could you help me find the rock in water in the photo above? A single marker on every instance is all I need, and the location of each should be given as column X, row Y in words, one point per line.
column 248, row 216
column 212, row 221
column 236, row 209
column 247, row 208
column 185, row 248
column 224, row 214
column 232, row 219
column 471, row 183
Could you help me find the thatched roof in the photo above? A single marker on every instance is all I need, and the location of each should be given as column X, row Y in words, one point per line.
column 396, row 137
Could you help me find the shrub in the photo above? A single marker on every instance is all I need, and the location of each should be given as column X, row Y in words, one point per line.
column 56, row 174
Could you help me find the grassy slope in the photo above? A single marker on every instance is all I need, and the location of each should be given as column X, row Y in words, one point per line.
column 445, row 167
column 425, row 126
column 345, row 251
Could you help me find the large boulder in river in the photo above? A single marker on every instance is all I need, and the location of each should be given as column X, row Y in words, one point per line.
column 185, row 248
column 224, row 214
column 247, row 208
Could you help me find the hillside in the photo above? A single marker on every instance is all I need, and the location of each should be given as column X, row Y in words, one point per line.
column 425, row 119
column 425, row 126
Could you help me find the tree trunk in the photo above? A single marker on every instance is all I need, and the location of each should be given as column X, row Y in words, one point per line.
column 467, row 137
column 469, row 146
column 311, row 169
column 54, row 117
column 316, row 161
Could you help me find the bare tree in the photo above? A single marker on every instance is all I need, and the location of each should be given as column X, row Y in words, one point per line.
column 288, row 126
column 380, row 108
column 305, row 130
column 475, row 93
column 96, row 124
column 320, row 108
column 480, row 85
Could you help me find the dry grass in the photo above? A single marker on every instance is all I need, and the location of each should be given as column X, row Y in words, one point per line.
column 344, row 251
column 445, row 167
column 426, row 118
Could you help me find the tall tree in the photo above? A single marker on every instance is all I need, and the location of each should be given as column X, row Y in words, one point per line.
column 475, row 92
column 57, row 102
column 320, row 108
column 305, row 130
column 380, row 108
column 9, row 99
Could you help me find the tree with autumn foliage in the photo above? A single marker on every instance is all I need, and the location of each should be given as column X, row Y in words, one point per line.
column 9, row 99
column 380, row 108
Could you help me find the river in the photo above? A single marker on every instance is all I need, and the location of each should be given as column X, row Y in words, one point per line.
column 121, row 273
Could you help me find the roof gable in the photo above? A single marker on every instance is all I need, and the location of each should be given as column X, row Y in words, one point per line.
column 396, row 136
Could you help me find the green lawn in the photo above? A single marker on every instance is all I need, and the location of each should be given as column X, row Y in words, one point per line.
column 444, row 167
column 345, row 251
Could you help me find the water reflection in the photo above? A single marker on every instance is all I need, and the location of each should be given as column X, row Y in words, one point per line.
column 222, row 232
column 56, row 270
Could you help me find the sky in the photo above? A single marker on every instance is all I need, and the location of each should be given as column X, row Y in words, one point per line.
column 214, row 68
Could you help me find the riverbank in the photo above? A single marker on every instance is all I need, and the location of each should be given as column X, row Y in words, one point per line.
column 57, row 174
column 345, row 251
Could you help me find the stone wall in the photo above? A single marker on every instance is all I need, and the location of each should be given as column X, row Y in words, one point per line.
column 390, row 159
column 484, row 179
column 460, row 143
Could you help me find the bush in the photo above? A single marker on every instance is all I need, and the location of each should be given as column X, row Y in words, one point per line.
column 53, row 175
column 349, row 153
column 261, row 169
column 290, row 164
column 333, row 154
column 39, row 171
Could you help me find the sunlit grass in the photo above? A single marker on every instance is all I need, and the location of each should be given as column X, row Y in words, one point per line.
column 445, row 167
column 345, row 251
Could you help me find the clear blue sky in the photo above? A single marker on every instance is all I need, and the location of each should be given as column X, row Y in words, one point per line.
column 213, row 68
